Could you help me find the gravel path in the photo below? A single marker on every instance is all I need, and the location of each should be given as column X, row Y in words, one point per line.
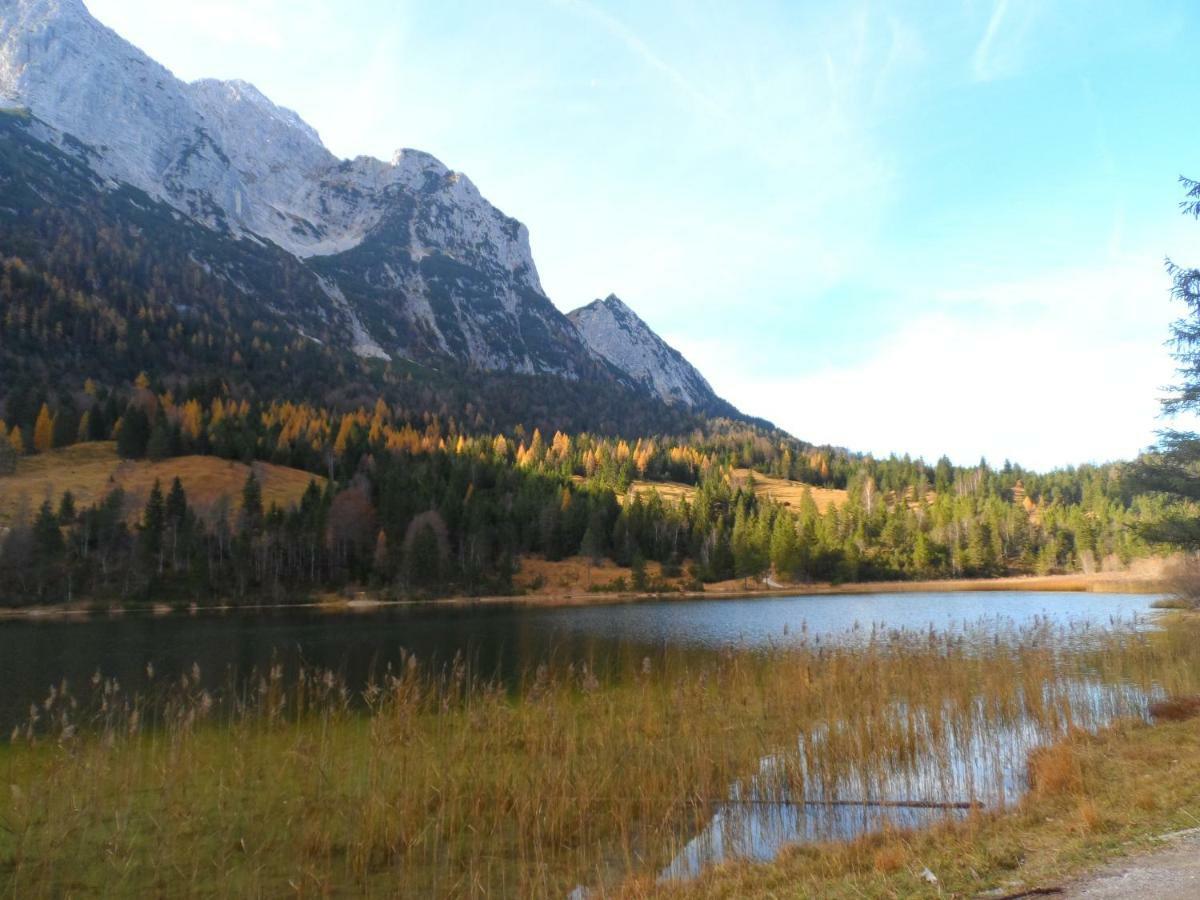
column 1172, row 873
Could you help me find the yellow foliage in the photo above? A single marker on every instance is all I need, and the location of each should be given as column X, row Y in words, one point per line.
column 343, row 435
column 43, row 431
column 193, row 419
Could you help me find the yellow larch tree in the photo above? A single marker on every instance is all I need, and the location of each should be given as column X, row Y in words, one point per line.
column 192, row 422
column 43, row 430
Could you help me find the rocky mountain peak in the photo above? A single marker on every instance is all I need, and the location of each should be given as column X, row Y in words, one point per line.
column 400, row 258
column 614, row 332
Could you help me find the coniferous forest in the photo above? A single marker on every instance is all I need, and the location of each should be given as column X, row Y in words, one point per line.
column 411, row 505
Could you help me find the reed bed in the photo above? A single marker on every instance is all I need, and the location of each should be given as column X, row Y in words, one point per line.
column 434, row 781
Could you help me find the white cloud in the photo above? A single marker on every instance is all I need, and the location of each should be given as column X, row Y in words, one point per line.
column 1048, row 372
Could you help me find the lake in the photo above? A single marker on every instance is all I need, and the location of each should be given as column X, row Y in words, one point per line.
column 502, row 640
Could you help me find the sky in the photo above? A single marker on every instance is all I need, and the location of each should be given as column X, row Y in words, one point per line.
column 912, row 227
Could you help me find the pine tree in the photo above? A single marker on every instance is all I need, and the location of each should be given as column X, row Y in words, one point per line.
column 1173, row 469
column 158, row 446
column 66, row 425
column 786, row 552
column 922, row 558
column 637, row 572
column 48, row 549
column 177, row 506
column 66, row 509
column 8, row 456
column 133, row 434
column 252, row 505
column 154, row 519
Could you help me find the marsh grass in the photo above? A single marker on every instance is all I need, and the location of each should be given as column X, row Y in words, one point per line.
column 436, row 782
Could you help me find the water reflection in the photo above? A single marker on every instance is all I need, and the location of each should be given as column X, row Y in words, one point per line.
column 498, row 641
column 978, row 763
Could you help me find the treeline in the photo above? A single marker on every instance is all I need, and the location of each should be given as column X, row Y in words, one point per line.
column 412, row 512
column 434, row 525
column 159, row 418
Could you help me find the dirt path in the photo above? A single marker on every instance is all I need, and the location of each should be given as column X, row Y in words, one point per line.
column 1172, row 873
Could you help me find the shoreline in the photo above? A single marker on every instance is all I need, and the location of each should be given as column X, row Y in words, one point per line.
column 1099, row 583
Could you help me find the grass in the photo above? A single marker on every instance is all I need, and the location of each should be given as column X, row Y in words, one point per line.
column 573, row 576
column 781, row 490
column 790, row 493
column 90, row 470
column 437, row 782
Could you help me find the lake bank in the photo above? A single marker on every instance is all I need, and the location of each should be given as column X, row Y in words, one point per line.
column 1136, row 581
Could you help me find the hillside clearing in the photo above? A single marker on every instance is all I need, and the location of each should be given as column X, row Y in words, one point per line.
column 90, row 471
column 781, row 490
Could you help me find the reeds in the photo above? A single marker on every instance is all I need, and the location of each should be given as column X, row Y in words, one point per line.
column 435, row 782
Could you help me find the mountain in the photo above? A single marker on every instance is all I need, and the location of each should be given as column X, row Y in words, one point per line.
column 207, row 227
column 410, row 256
column 616, row 333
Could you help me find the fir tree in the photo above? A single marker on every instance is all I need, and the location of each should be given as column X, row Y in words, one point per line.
column 154, row 519
column 252, row 505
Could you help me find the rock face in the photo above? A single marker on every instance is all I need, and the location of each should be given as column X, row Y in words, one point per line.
column 414, row 261
column 614, row 332
column 403, row 259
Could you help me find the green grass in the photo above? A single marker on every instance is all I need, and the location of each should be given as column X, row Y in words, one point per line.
column 436, row 783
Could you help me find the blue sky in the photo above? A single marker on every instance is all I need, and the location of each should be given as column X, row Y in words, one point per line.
column 911, row 227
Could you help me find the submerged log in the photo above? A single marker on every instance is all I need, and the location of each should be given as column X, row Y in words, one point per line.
column 908, row 804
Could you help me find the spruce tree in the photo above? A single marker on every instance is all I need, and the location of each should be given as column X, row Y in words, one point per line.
column 8, row 457
column 1172, row 469
column 154, row 519
column 252, row 505
column 133, row 434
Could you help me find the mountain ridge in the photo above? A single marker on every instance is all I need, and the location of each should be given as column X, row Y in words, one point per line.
column 402, row 260
column 611, row 329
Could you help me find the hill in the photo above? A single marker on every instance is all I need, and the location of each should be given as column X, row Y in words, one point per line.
column 780, row 490
column 90, row 471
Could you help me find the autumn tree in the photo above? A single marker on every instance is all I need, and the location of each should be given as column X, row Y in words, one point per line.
column 43, row 430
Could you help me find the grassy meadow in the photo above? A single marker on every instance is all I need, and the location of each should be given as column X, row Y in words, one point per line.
column 91, row 470
column 435, row 781
column 766, row 487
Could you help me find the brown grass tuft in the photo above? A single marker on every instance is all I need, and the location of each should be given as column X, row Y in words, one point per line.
column 1175, row 709
column 890, row 858
column 1091, row 819
column 1054, row 771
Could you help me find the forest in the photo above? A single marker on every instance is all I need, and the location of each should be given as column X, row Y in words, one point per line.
column 415, row 506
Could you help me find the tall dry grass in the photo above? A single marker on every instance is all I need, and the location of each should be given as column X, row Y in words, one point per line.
column 435, row 782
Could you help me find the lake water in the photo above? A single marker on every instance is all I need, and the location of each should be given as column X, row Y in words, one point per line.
column 498, row 639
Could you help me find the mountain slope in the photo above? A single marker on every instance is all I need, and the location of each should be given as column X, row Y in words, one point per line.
column 199, row 231
column 614, row 332
column 100, row 281
column 413, row 261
